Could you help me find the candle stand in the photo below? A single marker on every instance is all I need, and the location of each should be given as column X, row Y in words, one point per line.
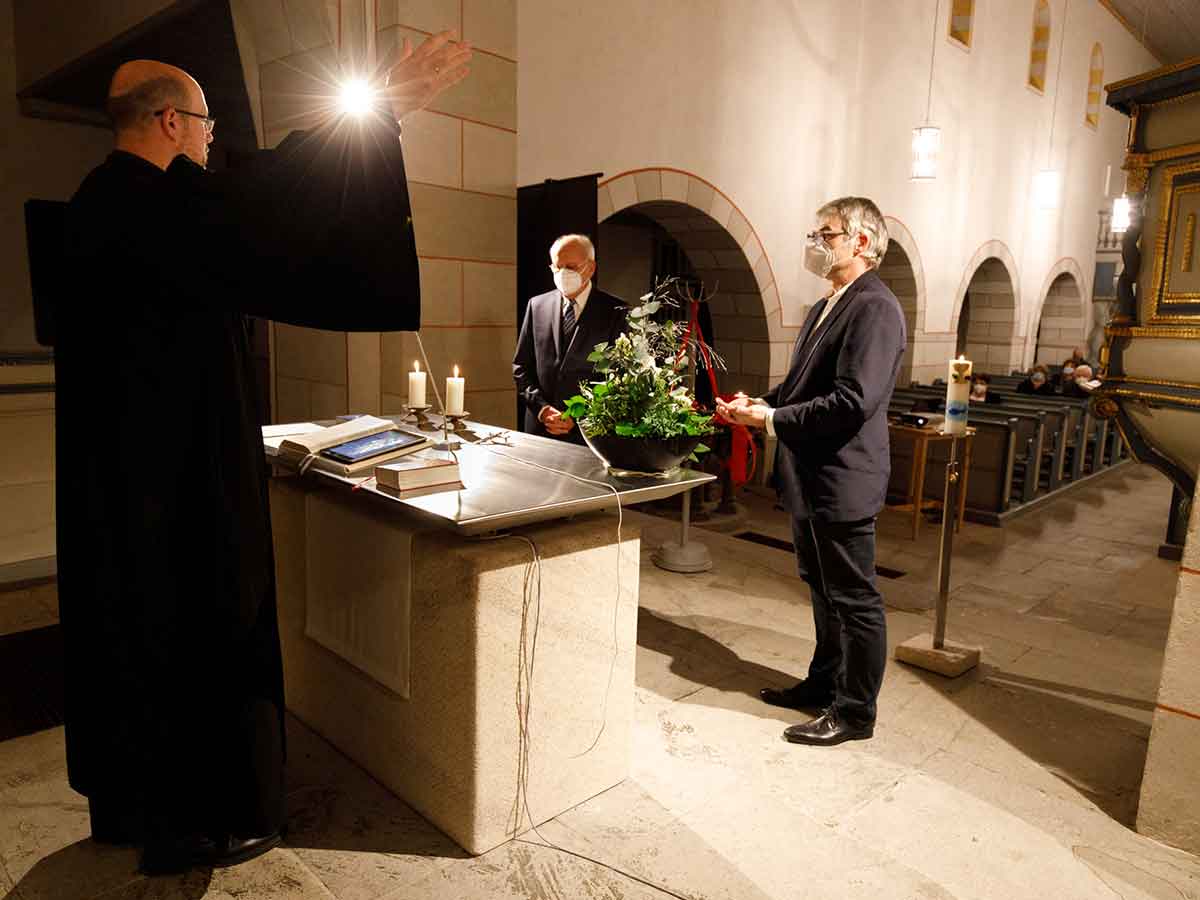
column 417, row 416
column 451, row 423
column 931, row 651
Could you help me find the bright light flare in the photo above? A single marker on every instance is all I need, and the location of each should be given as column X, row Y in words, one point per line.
column 1046, row 189
column 356, row 97
column 1121, row 215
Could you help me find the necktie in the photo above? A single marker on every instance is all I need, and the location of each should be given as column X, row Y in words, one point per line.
column 568, row 319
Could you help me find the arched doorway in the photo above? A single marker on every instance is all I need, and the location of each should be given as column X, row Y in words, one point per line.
column 897, row 272
column 1061, row 326
column 986, row 320
column 654, row 220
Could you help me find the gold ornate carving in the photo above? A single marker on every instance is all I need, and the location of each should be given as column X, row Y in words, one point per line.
column 1151, row 75
column 1152, row 396
column 1137, row 173
column 1168, row 153
column 1168, row 206
column 1157, row 382
column 1182, row 98
column 1189, row 240
column 1104, row 407
column 1125, row 438
column 1153, row 331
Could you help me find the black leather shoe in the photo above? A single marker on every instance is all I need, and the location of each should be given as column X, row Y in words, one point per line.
column 827, row 730
column 173, row 857
column 803, row 696
column 240, row 850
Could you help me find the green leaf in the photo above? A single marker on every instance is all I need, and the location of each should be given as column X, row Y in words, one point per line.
column 600, row 389
column 596, row 356
column 625, row 430
column 701, row 448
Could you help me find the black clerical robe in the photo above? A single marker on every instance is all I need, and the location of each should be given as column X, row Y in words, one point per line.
column 174, row 686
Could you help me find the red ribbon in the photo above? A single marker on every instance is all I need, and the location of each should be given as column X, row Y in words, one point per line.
column 741, row 440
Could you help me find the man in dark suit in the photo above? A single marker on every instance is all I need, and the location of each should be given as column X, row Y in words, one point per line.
column 560, row 329
column 830, row 417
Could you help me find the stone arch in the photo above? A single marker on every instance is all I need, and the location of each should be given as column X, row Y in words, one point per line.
column 989, row 294
column 1061, row 320
column 902, row 271
column 725, row 250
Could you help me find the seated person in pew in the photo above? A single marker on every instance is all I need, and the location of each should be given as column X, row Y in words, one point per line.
column 980, row 392
column 1082, row 384
column 1065, row 375
column 1036, row 382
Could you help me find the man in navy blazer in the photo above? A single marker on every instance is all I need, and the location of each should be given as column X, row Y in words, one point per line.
column 560, row 329
column 829, row 415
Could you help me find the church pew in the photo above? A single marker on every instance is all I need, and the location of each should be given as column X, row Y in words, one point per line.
column 1032, row 426
column 1000, row 443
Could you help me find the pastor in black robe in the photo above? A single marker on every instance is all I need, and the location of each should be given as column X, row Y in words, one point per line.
column 174, row 685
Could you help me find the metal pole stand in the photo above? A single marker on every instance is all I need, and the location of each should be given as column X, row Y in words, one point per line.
column 930, row 651
column 450, row 423
column 686, row 557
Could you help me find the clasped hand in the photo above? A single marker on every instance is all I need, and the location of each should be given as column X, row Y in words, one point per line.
column 743, row 410
column 555, row 421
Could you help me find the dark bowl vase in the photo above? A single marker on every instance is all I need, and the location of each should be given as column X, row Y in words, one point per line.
column 641, row 455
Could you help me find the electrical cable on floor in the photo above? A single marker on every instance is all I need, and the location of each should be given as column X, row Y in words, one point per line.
column 532, row 595
column 616, row 603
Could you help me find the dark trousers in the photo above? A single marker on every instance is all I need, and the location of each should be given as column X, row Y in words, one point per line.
column 837, row 559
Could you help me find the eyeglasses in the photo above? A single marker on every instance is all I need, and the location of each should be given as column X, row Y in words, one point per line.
column 209, row 122
column 824, row 236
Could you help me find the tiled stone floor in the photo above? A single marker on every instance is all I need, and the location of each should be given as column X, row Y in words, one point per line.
column 1017, row 780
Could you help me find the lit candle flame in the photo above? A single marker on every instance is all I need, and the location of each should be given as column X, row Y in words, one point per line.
column 456, row 371
column 416, row 366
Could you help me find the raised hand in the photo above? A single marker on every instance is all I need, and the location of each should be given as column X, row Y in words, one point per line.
column 416, row 77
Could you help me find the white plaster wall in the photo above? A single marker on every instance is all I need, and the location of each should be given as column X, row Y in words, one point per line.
column 783, row 105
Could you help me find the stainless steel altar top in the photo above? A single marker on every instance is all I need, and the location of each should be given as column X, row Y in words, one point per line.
column 515, row 479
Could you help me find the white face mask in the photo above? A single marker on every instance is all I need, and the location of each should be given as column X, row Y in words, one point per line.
column 818, row 258
column 1068, row 373
column 568, row 281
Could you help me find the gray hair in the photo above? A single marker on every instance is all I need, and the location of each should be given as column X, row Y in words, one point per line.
column 136, row 108
column 581, row 239
column 860, row 216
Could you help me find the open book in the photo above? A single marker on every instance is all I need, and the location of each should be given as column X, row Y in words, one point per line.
column 347, row 449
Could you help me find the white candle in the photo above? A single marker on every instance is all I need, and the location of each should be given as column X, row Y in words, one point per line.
column 416, row 387
column 958, row 391
column 455, row 387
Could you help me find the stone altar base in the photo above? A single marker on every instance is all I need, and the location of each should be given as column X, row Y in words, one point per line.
column 454, row 749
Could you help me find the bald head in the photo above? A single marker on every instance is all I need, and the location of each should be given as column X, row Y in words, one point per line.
column 156, row 110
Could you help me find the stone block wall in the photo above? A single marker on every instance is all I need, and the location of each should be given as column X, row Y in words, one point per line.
column 992, row 324
column 1062, row 326
column 461, row 160
column 26, row 471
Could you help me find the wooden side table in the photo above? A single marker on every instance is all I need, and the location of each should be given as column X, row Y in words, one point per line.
column 921, row 439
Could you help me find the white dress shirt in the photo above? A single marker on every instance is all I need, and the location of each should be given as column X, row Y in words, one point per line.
column 829, row 305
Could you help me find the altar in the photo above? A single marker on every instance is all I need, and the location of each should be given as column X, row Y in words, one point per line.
column 472, row 650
